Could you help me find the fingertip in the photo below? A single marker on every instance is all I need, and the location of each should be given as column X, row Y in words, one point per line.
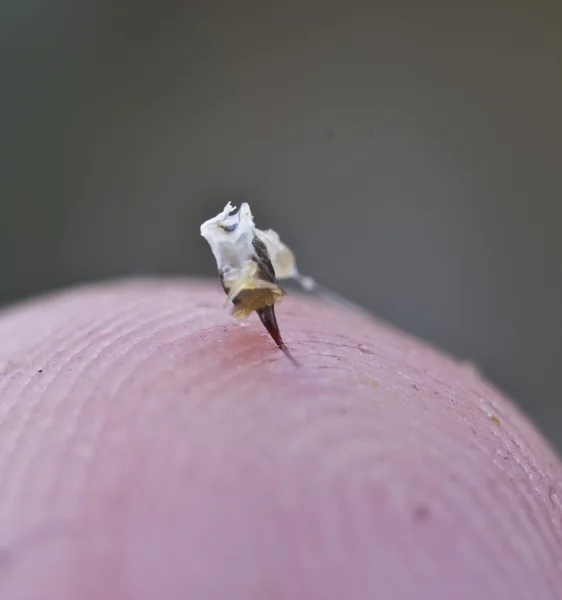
column 193, row 459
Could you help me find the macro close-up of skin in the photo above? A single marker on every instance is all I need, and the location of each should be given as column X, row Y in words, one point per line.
column 151, row 446
column 280, row 310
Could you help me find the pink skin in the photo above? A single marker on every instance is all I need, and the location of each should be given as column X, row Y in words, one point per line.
column 150, row 447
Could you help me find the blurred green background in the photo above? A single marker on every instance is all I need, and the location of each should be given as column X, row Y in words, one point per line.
column 410, row 153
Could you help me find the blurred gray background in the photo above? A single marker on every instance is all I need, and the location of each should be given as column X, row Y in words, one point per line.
column 410, row 153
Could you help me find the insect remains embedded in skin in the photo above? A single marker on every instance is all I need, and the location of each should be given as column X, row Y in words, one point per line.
column 250, row 264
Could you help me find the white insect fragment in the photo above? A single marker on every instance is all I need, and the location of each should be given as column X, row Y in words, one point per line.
column 230, row 235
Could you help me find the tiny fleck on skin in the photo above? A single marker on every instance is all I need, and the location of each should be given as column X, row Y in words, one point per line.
column 422, row 513
column 494, row 419
column 374, row 383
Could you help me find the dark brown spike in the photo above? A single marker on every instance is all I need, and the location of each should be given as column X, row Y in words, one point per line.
column 269, row 320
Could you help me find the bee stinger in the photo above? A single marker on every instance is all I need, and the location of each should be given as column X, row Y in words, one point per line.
column 251, row 262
